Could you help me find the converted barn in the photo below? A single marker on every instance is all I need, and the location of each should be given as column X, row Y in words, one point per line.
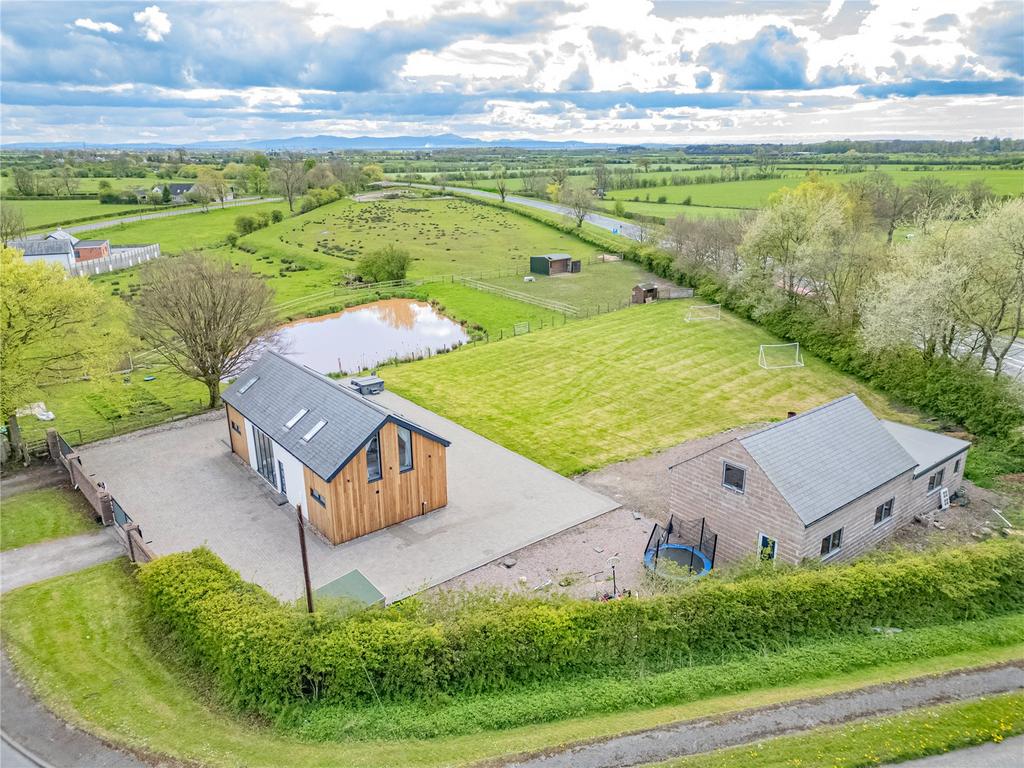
column 553, row 264
column 829, row 484
column 353, row 466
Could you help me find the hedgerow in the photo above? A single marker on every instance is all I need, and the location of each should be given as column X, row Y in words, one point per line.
column 267, row 656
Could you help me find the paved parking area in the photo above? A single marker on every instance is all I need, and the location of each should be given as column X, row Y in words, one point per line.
column 182, row 485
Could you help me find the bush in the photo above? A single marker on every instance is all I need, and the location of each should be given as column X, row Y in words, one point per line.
column 267, row 656
column 389, row 263
column 276, row 215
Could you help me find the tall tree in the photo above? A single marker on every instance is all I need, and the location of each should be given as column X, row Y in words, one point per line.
column 256, row 180
column 51, row 328
column 500, row 180
column 12, row 223
column 578, row 201
column 24, row 181
column 891, row 203
column 214, row 182
column 207, row 319
column 288, row 176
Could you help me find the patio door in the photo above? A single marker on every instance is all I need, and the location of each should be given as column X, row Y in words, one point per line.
column 264, row 449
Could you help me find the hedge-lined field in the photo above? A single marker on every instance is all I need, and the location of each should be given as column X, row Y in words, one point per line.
column 267, row 656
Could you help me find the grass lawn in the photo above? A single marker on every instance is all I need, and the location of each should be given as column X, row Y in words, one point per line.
column 180, row 233
column 497, row 314
column 81, row 641
column 92, row 410
column 50, row 513
column 601, row 284
column 918, row 733
column 45, row 213
column 671, row 210
column 619, row 386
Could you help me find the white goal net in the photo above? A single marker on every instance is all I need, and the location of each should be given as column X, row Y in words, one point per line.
column 780, row 356
column 704, row 312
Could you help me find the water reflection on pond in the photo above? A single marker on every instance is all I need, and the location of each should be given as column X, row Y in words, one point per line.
column 364, row 336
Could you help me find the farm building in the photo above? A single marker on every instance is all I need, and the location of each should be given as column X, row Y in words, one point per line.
column 353, row 466
column 86, row 250
column 553, row 264
column 829, row 483
column 51, row 251
column 644, row 293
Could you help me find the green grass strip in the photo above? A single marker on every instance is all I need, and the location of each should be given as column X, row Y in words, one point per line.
column 578, row 698
column 919, row 733
column 50, row 513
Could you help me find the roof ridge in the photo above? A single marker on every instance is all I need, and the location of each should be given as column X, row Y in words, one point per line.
column 333, row 383
column 797, row 417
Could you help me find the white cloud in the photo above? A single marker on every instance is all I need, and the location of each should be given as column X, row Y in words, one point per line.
column 153, row 22
column 98, row 26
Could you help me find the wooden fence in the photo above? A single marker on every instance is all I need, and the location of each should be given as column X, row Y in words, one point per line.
column 108, row 510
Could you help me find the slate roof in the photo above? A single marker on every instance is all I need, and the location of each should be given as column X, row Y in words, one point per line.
column 929, row 449
column 90, row 243
column 825, row 458
column 44, row 247
column 60, row 234
column 282, row 388
column 176, row 189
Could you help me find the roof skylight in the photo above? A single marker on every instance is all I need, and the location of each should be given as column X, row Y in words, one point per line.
column 248, row 385
column 312, row 433
column 294, row 419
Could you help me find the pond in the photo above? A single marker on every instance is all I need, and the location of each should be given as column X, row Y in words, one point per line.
column 362, row 337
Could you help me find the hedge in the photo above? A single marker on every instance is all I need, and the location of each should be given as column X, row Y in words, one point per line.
column 267, row 656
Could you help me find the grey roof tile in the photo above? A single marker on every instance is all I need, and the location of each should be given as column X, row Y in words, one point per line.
column 827, row 457
column 282, row 388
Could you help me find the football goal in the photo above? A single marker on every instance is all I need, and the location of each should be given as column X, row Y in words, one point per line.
column 780, row 356
column 704, row 312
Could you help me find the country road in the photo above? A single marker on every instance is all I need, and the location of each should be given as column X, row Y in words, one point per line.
column 91, row 225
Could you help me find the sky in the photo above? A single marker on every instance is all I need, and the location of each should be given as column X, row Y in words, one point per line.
column 622, row 71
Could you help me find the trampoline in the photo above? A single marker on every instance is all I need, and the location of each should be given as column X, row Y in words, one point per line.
column 690, row 560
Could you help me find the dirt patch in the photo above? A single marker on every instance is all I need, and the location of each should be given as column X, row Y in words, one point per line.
column 974, row 521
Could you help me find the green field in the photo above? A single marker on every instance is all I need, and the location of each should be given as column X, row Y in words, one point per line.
column 598, row 285
column 618, row 386
column 50, row 513
column 46, row 214
column 91, row 184
column 443, row 236
column 86, row 645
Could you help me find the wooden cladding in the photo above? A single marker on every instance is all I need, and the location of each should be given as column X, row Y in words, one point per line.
column 352, row 506
column 236, row 431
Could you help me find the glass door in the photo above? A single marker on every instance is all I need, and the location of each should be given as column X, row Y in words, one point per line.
column 264, row 449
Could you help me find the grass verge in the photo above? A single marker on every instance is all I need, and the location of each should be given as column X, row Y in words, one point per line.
column 49, row 513
column 84, row 645
column 878, row 741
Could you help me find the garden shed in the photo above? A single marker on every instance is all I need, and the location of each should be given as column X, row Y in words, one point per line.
column 645, row 292
column 553, row 264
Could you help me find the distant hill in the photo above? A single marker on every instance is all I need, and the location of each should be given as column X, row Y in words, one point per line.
column 324, row 143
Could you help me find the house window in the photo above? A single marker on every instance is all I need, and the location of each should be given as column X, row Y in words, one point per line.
column 373, row 473
column 766, row 546
column 733, row 477
column 404, row 449
column 235, row 428
column 956, row 466
column 315, row 494
column 264, row 450
column 883, row 511
column 935, row 481
column 831, row 543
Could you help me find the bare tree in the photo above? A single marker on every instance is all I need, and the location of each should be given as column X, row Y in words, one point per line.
column 500, row 180
column 288, row 176
column 24, row 181
column 647, row 230
column 12, row 224
column 207, row 319
column 890, row 202
column 68, row 179
column 579, row 201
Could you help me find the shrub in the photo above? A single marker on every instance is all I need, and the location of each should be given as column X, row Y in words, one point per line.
column 389, row 263
column 267, row 656
column 276, row 215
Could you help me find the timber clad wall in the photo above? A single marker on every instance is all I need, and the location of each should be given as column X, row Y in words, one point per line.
column 925, row 503
column 737, row 518
column 239, row 444
column 354, row 507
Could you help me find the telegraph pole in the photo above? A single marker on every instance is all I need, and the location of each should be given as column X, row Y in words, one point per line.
column 305, row 559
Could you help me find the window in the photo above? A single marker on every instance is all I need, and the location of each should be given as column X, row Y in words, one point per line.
column 264, row 449
column 245, row 387
column 766, row 546
column 373, row 473
column 831, row 543
column 956, row 466
column 733, row 477
column 935, row 481
column 315, row 494
column 883, row 511
column 235, row 428
column 312, row 433
column 295, row 419
column 404, row 449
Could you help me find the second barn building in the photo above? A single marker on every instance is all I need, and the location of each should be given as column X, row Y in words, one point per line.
column 353, row 466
